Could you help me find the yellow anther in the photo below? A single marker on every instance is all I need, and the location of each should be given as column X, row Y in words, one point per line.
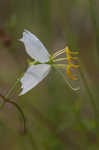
column 68, row 55
column 74, row 53
column 74, row 58
column 75, row 66
column 67, row 51
column 68, row 72
column 70, row 65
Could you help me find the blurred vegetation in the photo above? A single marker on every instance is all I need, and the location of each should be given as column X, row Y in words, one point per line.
column 56, row 117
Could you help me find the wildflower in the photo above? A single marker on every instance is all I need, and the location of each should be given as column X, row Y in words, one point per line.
column 43, row 61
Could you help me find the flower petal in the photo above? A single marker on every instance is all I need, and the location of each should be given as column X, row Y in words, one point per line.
column 33, row 75
column 34, row 47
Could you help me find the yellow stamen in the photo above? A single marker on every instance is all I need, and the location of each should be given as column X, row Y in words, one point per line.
column 69, row 59
column 62, row 59
column 68, row 72
column 74, row 58
column 60, row 65
column 68, row 55
column 75, row 66
column 74, row 53
column 68, row 83
column 70, row 65
column 59, row 59
column 59, row 53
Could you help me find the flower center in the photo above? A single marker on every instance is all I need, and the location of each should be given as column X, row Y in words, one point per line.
column 70, row 61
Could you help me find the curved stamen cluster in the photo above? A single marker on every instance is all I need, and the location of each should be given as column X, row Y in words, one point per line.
column 69, row 60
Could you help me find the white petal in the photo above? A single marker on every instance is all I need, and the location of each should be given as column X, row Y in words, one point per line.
column 33, row 75
column 34, row 47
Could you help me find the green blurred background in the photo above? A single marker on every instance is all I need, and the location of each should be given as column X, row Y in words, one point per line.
column 57, row 118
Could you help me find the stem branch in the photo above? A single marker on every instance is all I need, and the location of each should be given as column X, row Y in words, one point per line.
column 17, row 107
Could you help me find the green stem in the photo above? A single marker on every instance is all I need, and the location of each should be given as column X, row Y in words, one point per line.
column 92, row 8
column 14, row 86
column 11, row 90
column 31, row 139
column 96, row 114
column 6, row 100
column 21, row 113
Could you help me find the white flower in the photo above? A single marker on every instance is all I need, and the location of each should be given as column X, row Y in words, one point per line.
column 40, row 68
column 34, row 48
column 35, row 73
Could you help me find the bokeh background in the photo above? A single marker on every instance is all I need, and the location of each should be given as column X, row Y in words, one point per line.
column 57, row 118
